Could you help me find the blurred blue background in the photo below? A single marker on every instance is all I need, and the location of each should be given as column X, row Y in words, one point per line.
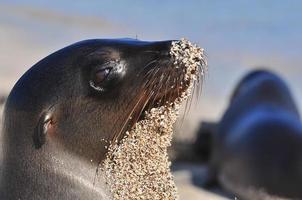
column 237, row 36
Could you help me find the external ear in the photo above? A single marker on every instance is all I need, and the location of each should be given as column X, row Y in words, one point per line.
column 43, row 127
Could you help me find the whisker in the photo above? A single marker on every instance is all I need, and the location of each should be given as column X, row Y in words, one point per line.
column 159, row 87
column 138, row 114
column 190, row 99
column 148, row 82
column 155, row 93
column 116, row 136
column 166, row 88
column 147, row 66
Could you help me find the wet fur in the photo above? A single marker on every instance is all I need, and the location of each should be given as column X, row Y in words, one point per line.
column 83, row 122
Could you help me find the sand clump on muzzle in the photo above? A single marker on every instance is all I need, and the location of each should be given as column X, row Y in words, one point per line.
column 138, row 167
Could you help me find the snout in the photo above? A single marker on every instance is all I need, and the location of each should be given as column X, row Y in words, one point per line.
column 161, row 48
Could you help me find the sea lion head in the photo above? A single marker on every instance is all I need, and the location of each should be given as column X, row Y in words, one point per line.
column 262, row 85
column 88, row 94
column 65, row 110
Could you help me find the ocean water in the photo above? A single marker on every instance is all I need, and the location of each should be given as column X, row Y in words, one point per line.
column 238, row 36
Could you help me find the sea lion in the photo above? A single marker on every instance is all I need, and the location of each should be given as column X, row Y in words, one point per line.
column 63, row 111
column 257, row 145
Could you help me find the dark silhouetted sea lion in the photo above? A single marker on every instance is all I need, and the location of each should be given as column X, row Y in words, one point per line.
column 257, row 145
column 61, row 114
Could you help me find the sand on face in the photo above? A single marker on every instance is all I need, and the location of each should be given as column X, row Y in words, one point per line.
column 138, row 167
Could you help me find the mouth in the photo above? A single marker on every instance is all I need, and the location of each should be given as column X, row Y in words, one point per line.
column 168, row 82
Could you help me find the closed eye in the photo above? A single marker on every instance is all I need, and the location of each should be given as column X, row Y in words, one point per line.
column 98, row 77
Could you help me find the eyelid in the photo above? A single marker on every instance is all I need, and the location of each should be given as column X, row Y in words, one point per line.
column 107, row 69
column 110, row 62
column 105, row 65
column 103, row 71
column 95, row 86
column 101, row 75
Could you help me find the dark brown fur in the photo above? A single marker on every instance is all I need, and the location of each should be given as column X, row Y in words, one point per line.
column 57, row 126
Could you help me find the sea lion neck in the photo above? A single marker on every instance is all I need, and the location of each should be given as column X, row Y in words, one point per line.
column 45, row 171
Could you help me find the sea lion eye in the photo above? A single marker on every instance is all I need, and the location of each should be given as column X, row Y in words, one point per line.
column 99, row 77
